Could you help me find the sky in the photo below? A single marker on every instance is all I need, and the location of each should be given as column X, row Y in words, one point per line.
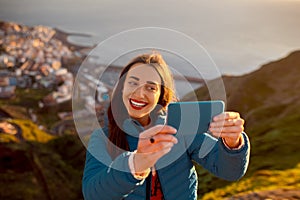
column 239, row 35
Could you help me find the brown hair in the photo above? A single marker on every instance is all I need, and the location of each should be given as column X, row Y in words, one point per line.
column 116, row 135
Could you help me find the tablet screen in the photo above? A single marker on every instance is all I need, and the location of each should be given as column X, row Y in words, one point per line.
column 193, row 117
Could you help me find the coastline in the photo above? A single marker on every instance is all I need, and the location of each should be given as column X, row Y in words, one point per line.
column 64, row 37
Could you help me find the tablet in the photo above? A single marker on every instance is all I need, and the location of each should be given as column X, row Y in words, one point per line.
column 193, row 117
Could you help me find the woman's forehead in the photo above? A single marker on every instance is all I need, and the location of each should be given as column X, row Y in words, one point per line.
column 144, row 72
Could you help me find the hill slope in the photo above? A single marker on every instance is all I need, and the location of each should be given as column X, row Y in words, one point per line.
column 42, row 170
column 269, row 100
column 37, row 165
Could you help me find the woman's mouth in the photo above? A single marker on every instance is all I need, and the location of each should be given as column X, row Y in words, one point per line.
column 137, row 104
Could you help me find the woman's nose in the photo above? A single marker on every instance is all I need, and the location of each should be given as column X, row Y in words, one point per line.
column 140, row 91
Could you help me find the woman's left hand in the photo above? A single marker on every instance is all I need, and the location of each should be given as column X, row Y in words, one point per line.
column 229, row 126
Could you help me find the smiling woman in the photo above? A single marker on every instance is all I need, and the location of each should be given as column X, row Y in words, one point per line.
column 136, row 144
column 141, row 95
column 145, row 84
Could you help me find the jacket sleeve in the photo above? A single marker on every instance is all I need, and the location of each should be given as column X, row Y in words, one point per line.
column 214, row 156
column 104, row 178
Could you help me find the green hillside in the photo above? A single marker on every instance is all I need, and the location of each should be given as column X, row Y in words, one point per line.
column 43, row 166
column 36, row 164
column 269, row 100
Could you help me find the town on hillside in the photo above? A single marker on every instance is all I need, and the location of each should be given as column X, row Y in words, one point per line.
column 41, row 57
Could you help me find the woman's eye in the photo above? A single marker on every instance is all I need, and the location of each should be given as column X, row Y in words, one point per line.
column 152, row 88
column 132, row 83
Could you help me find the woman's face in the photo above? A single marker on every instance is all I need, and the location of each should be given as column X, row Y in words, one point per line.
column 141, row 92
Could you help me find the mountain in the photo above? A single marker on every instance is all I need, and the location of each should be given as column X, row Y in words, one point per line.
column 269, row 101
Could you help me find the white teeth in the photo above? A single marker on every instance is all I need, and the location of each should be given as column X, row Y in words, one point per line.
column 137, row 104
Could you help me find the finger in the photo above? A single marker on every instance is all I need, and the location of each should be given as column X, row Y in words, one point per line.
column 152, row 157
column 231, row 136
column 227, row 129
column 163, row 138
column 158, row 129
column 223, row 135
column 158, row 138
column 234, row 122
column 161, row 153
column 155, row 147
column 227, row 115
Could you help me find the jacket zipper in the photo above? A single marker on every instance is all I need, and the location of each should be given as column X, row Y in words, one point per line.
column 148, row 186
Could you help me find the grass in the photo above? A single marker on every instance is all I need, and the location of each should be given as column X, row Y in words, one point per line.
column 260, row 181
column 20, row 186
column 40, row 165
column 42, row 170
column 27, row 98
column 19, row 106
column 30, row 132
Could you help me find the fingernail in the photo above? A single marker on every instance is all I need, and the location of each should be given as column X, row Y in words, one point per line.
column 174, row 130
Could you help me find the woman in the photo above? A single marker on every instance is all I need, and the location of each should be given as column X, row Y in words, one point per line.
column 123, row 158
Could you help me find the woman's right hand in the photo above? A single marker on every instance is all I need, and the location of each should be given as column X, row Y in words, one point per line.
column 153, row 143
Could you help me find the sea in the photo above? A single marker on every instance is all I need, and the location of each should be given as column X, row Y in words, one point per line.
column 233, row 37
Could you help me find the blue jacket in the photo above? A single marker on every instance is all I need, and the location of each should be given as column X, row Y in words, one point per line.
column 108, row 179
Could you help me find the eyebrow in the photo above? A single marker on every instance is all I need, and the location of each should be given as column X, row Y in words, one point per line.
column 149, row 82
column 152, row 83
column 135, row 78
